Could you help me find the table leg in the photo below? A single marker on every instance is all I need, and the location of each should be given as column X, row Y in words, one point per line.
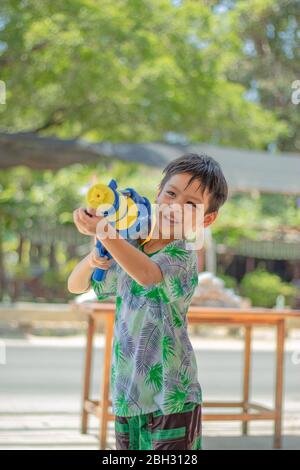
column 247, row 367
column 279, row 382
column 87, row 372
column 104, row 392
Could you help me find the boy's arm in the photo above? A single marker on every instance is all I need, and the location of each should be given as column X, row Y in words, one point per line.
column 80, row 279
column 175, row 268
column 136, row 263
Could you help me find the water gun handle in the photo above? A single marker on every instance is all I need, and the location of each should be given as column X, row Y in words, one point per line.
column 99, row 274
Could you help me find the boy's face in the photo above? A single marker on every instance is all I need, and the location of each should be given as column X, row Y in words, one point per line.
column 183, row 208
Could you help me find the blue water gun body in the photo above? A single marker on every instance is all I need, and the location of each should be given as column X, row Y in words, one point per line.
column 126, row 210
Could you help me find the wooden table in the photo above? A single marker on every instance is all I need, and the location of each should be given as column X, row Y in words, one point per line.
column 248, row 318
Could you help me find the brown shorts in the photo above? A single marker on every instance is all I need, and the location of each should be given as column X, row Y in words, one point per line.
column 155, row 431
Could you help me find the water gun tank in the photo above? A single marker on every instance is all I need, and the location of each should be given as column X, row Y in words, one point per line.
column 129, row 212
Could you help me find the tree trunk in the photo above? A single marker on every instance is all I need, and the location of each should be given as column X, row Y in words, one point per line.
column 3, row 283
column 52, row 257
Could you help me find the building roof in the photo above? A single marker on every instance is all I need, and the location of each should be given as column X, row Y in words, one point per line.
column 245, row 170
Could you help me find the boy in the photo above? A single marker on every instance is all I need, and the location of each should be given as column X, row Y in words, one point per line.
column 156, row 396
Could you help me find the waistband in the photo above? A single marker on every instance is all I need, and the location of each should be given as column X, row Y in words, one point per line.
column 189, row 406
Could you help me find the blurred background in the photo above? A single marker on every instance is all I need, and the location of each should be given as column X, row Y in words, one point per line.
column 93, row 90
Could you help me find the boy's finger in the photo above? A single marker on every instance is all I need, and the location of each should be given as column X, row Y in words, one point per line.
column 99, row 264
column 88, row 222
column 81, row 215
column 102, row 260
column 84, row 215
column 78, row 223
column 77, row 218
column 91, row 210
column 102, row 266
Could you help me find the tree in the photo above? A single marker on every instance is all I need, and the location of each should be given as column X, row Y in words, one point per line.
column 126, row 71
column 269, row 63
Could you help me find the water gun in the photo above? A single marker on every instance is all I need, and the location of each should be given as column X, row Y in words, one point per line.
column 125, row 210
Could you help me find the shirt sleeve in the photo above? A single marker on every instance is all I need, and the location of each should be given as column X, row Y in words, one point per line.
column 179, row 267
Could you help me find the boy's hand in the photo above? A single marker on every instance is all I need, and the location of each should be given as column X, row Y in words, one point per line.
column 84, row 223
column 98, row 262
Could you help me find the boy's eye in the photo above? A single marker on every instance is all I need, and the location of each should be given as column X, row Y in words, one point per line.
column 193, row 204
column 171, row 193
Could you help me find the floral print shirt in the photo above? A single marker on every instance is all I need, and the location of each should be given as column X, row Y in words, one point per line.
column 153, row 362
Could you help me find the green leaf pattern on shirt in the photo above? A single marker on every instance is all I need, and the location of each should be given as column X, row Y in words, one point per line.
column 153, row 362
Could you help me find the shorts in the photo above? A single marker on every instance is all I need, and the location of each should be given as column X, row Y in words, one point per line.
column 155, row 431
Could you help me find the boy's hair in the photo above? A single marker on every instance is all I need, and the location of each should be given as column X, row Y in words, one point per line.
column 206, row 170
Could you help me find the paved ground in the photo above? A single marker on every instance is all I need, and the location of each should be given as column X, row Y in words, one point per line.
column 40, row 393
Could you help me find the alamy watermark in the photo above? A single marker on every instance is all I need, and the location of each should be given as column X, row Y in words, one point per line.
column 295, row 97
column 170, row 221
column 2, row 353
column 296, row 358
column 2, row 92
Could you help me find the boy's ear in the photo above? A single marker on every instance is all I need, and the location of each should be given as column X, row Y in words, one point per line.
column 210, row 218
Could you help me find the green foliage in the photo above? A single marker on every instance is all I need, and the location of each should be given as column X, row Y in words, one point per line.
column 131, row 71
column 229, row 281
column 128, row 71
column 58, row 277
column 247, row 215
column 263, row 288
column 33, row 203
column 268, row 63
